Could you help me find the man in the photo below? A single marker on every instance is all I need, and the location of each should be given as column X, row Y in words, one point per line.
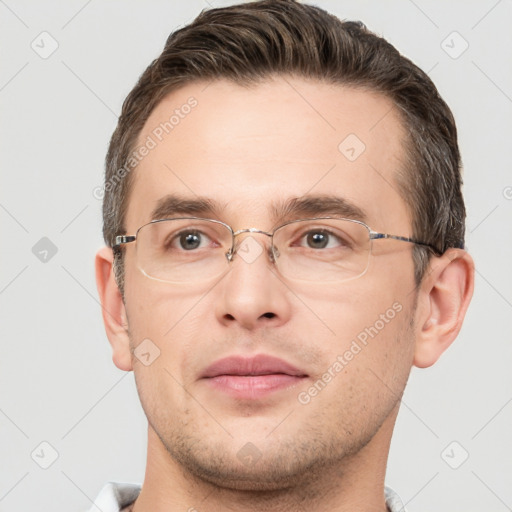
column 285, row 232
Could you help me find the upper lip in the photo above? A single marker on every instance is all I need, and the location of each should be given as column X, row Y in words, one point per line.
column 257, row 365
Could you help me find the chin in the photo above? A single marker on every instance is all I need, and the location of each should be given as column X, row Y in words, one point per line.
column 262, row 476
column 276, row 467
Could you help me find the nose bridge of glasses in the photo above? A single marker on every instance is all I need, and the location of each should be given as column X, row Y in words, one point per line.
column 236, row 245
column 251, row 230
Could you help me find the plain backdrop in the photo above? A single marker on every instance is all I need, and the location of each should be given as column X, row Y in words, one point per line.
column 65, row 69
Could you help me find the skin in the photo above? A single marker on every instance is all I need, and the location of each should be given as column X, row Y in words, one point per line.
column 245, row 147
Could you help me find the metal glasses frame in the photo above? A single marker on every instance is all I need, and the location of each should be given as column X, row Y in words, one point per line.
column 374, row 235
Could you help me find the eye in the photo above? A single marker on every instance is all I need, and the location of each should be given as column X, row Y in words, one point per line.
column 189, row 240
column 321, row 239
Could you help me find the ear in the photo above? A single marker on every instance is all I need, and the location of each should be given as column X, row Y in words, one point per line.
column 445, row 294
column 113, row 310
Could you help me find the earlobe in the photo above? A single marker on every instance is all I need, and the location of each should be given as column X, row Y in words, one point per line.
column 113, row 310
column 445, row 295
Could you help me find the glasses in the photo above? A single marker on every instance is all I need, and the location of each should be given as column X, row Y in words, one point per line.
column 192, row 249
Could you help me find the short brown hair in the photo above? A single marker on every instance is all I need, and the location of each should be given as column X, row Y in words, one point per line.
column 251, row 42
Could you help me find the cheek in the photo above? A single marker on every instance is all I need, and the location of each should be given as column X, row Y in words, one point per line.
column 162, row 333
column 151, row 323
column 157, row 309
column 347, row 309
column 367, row 359
column 364, row 324
column 173, row 319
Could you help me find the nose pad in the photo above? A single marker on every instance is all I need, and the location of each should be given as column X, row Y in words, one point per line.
column 273, row 254
column 229, row 255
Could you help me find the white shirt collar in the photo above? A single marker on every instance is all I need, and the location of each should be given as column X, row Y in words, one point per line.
column 116, row 495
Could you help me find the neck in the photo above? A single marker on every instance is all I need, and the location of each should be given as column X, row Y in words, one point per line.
column 354, row 483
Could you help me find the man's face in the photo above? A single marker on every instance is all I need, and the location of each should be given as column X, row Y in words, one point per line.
column 247, row 149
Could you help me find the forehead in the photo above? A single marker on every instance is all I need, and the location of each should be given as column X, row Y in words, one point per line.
column 248, row 148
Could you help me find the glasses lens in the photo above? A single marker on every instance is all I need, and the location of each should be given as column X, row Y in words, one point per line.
column 322, row 250
column 183, row 250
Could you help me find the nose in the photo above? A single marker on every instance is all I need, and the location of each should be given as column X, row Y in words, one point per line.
column 253, row 295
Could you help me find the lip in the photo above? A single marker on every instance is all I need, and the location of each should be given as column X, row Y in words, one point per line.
column 252, row 377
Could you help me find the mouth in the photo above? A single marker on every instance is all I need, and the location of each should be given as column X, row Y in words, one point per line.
column 253, row 377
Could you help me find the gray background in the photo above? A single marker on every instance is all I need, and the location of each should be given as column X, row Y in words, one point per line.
column 58, row 383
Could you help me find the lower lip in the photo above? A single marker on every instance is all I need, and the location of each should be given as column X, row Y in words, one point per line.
column 253, row 386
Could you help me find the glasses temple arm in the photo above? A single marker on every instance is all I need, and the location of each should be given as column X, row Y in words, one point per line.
column 376, row 236
column 123, row 239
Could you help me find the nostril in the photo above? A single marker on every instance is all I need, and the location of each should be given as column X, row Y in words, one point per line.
column 269, row 315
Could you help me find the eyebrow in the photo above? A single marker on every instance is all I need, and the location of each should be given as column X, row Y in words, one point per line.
column 315, row 206
column 307, row 206
column 173, row 205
